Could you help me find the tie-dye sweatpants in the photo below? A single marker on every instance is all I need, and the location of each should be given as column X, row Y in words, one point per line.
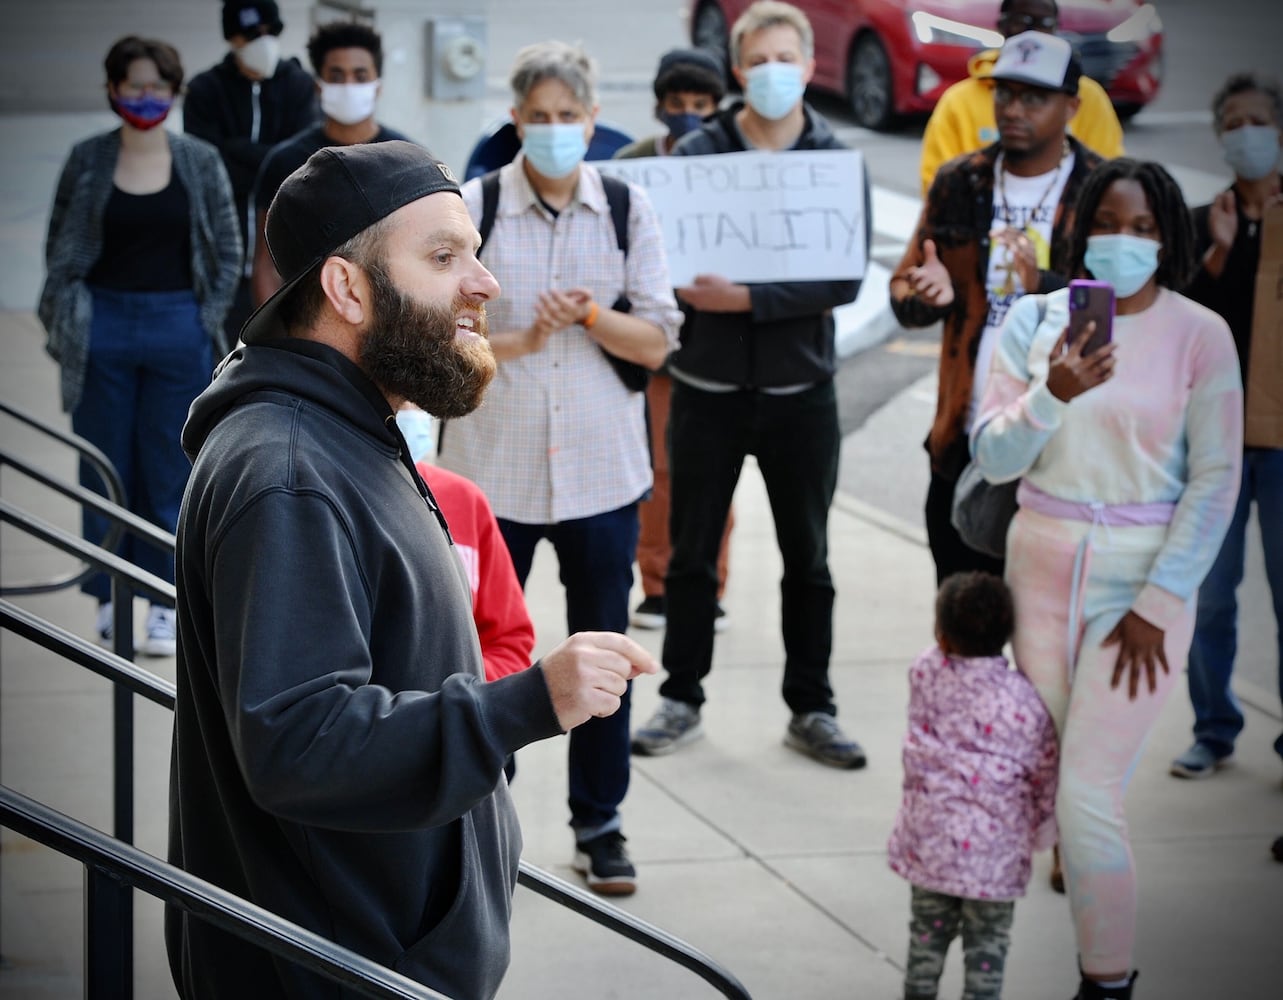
column 1101, row 731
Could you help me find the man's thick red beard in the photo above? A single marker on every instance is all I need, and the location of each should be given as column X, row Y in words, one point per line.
column 412, row 350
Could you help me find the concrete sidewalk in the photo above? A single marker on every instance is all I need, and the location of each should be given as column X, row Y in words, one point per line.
column 770, row 863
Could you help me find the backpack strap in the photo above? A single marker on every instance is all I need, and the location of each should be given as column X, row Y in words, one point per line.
column 620, row 201
column 489, row 206
column 617, row 197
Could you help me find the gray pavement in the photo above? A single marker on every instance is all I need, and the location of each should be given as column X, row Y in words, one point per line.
column 773, row 865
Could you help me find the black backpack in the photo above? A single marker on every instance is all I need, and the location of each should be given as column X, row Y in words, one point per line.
column 634, row 376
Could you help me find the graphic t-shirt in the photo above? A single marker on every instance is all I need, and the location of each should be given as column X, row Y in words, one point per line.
column 1027, row 204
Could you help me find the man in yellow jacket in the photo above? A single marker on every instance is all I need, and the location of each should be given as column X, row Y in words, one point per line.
column 963, row 118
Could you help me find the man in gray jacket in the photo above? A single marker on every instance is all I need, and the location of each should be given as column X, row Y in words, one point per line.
column 754, row 375
column 336, row 757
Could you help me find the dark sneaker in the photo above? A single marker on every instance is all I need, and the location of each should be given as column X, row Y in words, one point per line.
column 649, row 614
column 818, row 735
column 603, row 861
column 1199, row 761
column 104, row 624
column 674, row 724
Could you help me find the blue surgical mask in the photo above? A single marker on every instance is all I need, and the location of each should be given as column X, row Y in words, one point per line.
column 1252, row 151
column 773, row 89
column 554, row 150
column 679, row 125
column 1126, row 262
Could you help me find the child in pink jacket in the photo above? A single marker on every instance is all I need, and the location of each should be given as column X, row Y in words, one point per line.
column 980, row 763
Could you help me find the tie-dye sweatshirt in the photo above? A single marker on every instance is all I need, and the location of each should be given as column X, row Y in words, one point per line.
column 1166, row 428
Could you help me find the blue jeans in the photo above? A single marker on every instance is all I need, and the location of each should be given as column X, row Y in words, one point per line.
column 795, row 439
column 1217, row 717
column 595, row 557
column 149, row 357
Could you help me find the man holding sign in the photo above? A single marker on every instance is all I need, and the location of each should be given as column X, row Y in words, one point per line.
column 754, row 375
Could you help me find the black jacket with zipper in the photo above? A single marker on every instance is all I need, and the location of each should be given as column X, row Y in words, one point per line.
column 337, row 757
column 787, row 337
column 245, row 118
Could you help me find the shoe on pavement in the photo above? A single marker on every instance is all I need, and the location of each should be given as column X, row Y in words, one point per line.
column 674, row 724
column 162, row 632
column 650, row 613
column 818, row 735
column 1199, row 761
column 104, row 625
column 604, row 863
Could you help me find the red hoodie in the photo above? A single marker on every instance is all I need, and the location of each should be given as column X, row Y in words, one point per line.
column 498, row 605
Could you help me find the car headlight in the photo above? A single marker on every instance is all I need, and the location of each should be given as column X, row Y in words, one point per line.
column 931, row 29
column 1141, row 25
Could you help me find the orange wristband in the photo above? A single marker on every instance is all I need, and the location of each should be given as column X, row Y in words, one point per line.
column 591, row 318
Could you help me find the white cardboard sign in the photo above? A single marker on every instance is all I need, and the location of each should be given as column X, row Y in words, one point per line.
column 756, row 216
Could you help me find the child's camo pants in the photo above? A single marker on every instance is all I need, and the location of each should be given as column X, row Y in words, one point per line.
column 986, row 933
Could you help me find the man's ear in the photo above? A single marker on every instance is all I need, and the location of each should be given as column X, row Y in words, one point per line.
column 347, row 289
column 1071, row 108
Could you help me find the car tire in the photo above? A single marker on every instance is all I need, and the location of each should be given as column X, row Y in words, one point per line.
column 869, row 88
column 710, row 31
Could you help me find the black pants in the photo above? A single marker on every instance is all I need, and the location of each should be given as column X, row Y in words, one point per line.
column 950, row 552
column 795, row 439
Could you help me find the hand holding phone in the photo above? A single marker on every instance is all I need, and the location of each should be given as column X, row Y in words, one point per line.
column 1091, row 301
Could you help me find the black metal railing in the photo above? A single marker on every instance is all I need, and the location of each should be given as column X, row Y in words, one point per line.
column 88, row 452
column 136, row 680
column 116, row 866
column 110, row 865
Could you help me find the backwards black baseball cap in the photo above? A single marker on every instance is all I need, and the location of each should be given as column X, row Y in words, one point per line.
column 339, row 192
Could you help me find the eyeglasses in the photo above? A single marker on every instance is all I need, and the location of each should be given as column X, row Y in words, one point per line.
column 1026, row 22
column 162, row 88
column 1032, row 99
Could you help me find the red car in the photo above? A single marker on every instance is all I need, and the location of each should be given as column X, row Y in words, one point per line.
column 895, row 57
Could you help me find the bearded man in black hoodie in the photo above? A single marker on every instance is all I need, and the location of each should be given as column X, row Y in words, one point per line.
column 337, row 757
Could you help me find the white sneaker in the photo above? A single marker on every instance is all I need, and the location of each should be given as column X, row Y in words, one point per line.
column 103, row 625
column 162, row 633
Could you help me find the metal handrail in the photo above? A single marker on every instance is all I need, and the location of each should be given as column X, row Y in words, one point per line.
column 87, row 654
column 108, row 859
column 162, row 692
column 130, row 679
column 634, row 928
column 103, row 506
column 111, row 480
column 98, row 557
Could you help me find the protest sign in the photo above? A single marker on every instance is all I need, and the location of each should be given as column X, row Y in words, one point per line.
column 756, row 216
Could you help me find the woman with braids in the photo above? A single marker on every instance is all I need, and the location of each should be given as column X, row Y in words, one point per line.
column 1129, row 460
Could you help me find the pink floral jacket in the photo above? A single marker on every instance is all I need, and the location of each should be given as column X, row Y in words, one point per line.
column 980, row 763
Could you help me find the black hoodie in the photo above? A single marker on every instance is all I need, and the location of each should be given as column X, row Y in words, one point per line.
column 245, row 118
column 337, row 758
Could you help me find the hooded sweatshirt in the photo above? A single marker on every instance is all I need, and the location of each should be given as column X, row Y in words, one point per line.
column 336, row 758
column 245, row 118
column 963, row 119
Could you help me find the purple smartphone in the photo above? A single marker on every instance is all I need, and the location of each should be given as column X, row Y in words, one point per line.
column 1091, row 300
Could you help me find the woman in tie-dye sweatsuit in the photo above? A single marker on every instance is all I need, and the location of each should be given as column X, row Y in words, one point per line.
column 1130, row 465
